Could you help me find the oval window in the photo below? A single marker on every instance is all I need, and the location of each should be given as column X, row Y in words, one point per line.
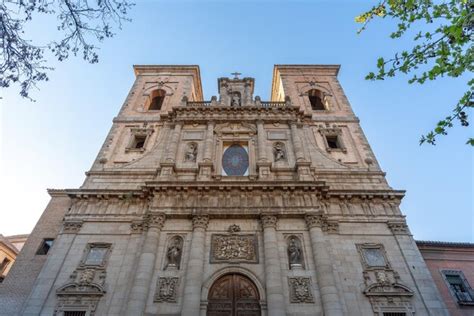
column 235, row 161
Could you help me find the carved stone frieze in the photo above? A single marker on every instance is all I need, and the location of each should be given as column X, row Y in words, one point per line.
column 300, row 290
column 234, row 228
column 166, row 289
column 200, row 221
column 331, row 227
column 269, row 221
column 136, row 227
column 398, row 227
column 234, row 248
column 71, row 227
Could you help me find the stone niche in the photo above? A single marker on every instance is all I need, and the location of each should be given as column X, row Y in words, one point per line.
column 236, row 92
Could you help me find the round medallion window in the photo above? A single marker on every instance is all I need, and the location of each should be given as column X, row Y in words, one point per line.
column 235, row 161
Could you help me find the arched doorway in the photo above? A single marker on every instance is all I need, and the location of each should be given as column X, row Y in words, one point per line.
column 233, row 295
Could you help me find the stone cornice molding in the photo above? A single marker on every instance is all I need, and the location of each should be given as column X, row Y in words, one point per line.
column 57, row 193
column 200, row 221
column 269, row 220
column 234, row 114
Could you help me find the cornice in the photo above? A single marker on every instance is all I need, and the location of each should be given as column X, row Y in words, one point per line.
column 57, row 192
column 234, row 114
column 332, row 70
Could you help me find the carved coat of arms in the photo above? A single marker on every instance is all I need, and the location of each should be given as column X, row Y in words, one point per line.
column 234, row 248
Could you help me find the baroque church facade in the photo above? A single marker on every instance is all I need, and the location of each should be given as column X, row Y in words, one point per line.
column 233, row 206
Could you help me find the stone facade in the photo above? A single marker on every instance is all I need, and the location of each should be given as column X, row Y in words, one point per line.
column 445, row 259
column 10, row 246
column 228, row 206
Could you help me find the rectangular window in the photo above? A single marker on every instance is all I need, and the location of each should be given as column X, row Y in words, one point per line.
column 394, row 314
column 459, row 287
column 139, row 142
column 45, row 246
column 96, row 254
column 4, row 265
column 74, row 313
column 333, row 141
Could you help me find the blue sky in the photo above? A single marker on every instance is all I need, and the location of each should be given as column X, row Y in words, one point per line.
column 52, row 142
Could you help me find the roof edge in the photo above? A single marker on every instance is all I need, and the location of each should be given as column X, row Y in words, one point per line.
column 450, row 244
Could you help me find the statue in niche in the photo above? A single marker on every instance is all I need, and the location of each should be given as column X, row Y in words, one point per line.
column 295, row 256
column 174, row 253
column 279, row 153
column 235, row 99
column 191, row 153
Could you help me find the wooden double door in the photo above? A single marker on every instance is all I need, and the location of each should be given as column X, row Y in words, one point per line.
column 233, row 295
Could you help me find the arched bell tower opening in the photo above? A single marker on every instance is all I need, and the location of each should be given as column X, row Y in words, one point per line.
column 233, row 294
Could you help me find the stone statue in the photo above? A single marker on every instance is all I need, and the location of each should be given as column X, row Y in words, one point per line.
column 279, row 152
column 191, row 153
column 294, row 253
column 235, row 99
column 174, row 253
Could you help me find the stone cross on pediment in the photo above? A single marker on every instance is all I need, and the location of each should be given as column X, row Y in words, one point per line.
column 236, row 75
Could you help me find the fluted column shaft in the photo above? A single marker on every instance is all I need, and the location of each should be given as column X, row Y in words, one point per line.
column 324, row 271
column 209, row 142
column 173, row 144
column 261, row 141
column 297, row 144
column 273, row 277
column 194, row 272
column 136, row 303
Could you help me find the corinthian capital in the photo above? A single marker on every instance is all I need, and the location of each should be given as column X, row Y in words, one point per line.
column 200, row 221
column 154, row 220
column 315, row 220
column 269, row 221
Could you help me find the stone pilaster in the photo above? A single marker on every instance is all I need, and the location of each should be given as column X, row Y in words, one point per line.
column 194, row 271
column 205, row 167
column 297, row 144
column 302, row 166
column 152, row 223
column 263, row 164
column 261, row 141
column 274, row 285
column 173, row 144
column 324, row 271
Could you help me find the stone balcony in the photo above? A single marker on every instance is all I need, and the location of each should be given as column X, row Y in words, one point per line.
column 253, row 103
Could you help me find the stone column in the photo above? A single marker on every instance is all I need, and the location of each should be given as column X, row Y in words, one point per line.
column 137, row 298
column 298, row 145
column 261, row 141
column 209, row 143
column 324, row 271
column 173, row 144
column 273, row 278
column 263, row 164
column 206, row 166
column 194, row 271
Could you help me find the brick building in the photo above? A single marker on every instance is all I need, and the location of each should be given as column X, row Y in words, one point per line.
column 227, row 206
column 452, row 266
